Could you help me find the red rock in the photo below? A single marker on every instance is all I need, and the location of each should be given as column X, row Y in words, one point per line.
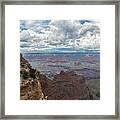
column 67, row 86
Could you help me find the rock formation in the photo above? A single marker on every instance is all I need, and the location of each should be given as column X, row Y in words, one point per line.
column 30, row 87
column 68, row 86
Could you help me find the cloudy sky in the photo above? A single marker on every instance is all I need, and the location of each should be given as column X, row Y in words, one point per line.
column 59, row 35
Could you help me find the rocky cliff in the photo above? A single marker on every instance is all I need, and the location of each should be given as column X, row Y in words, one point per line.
column 30, row 87
column 68, row 86
column 64, row 86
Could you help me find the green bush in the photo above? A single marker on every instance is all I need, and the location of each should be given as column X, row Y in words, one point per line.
column 32, row 73
column 25, row 75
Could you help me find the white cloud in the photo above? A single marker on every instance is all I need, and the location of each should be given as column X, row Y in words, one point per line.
column 36, row 35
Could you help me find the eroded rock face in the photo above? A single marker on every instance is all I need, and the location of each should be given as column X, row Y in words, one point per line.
column 30, row 87
column 31, row 90
column 68, row 86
